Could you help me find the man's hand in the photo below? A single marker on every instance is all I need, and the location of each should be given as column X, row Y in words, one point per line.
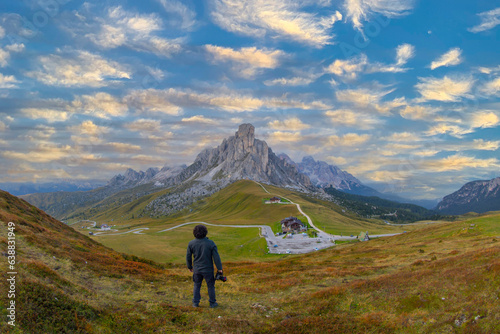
column 220, row 271
column 191, row 270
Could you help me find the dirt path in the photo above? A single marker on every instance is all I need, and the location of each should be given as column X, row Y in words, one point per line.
column 296, row 245
column 321, row 233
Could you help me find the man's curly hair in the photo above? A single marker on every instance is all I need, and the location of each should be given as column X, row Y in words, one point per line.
column 200, row 231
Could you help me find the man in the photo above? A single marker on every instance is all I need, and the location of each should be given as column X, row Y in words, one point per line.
column 205, row 254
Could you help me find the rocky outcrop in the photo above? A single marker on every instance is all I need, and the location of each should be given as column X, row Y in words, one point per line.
column 238, row 157
column 324, row 175
column 242, row 156
column 132, row 178
column 475, row 196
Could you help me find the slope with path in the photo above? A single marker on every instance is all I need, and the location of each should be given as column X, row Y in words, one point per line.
column 297, row 244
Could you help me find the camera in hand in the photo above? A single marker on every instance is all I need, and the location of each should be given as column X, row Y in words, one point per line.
column 219, row 276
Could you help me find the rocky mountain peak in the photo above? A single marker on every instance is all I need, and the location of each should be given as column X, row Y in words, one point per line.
column 242, row 156
column 308, row 159
column 246, row 133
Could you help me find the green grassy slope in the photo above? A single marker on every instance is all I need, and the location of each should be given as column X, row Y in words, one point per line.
column 443, row 278
column 241, row 203
column 331, row 217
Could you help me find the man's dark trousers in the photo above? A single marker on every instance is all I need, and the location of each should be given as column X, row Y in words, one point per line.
column 198, row 279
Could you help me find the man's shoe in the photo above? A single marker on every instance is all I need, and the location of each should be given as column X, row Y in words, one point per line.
column 214, row 305
column 196, row 305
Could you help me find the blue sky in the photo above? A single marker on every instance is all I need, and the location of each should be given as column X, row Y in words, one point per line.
column 402, row 94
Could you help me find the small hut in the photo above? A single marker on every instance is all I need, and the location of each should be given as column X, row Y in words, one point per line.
column 363, row 236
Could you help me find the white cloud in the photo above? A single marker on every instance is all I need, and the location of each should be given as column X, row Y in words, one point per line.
column 418, row 112
column 144, row 125
column 489, row 20
column 152, row 100
column 346, row 117
column 451, row 129
column 476, row 144
column 284, row 136
column 362, row 10
column 17, row 47
column 485, row 145
column 349, row 140
column 3, row 127
column 276, row 18
column 46, row 152
column 123, row 28
column 369, row 99
column 348, row 68
column 2, row 32
column 78, row 69
column 51, row 115
column 290, row 124
column 403, row 137
column 361, row 96
column 41, row 133
column 484, row 119
column 181, row 12
column 491, row 87
column 5, row 54
column 4, row 57
column 172, row 100
column 124, row 147
column 24, row 172
column 8, row 81
column 469, row 124
column 246, row 61
column 404, row 52
column 450, row 58
column 303, row 80
column 445, row 89
column 88, row 133
column 459, row 162
column 200, row 119
column 102, row 105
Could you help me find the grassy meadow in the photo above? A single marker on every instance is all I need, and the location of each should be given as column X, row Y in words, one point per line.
column 234, row 244
column 241, row 203
column 443, row 278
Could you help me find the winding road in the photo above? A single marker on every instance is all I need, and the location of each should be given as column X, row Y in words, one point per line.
column 297, row 244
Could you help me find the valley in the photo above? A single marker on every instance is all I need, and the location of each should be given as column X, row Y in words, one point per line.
column 117, row 263
column 239, row 204
column 442, row 278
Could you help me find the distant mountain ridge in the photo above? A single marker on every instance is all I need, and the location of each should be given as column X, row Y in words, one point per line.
column 24, row 188
column 238, row 157
column 476, row 196
column 324, row 175
column 241, row 156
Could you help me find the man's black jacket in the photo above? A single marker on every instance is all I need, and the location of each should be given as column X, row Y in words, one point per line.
column 205, row 254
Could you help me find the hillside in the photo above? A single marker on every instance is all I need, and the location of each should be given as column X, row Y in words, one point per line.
column 238, row 157
column 443, row 278
column 376, row 207
column 240, row 203
column 476, row 196
column 67, row 282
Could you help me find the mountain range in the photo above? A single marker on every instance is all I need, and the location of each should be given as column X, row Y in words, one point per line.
column 475, row 196
column 238, row 157
column 23, row 188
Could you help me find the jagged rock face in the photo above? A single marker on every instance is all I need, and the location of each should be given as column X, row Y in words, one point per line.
column 244, row 157
column 475, row 196
column 323, row 175
column 132, row 178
